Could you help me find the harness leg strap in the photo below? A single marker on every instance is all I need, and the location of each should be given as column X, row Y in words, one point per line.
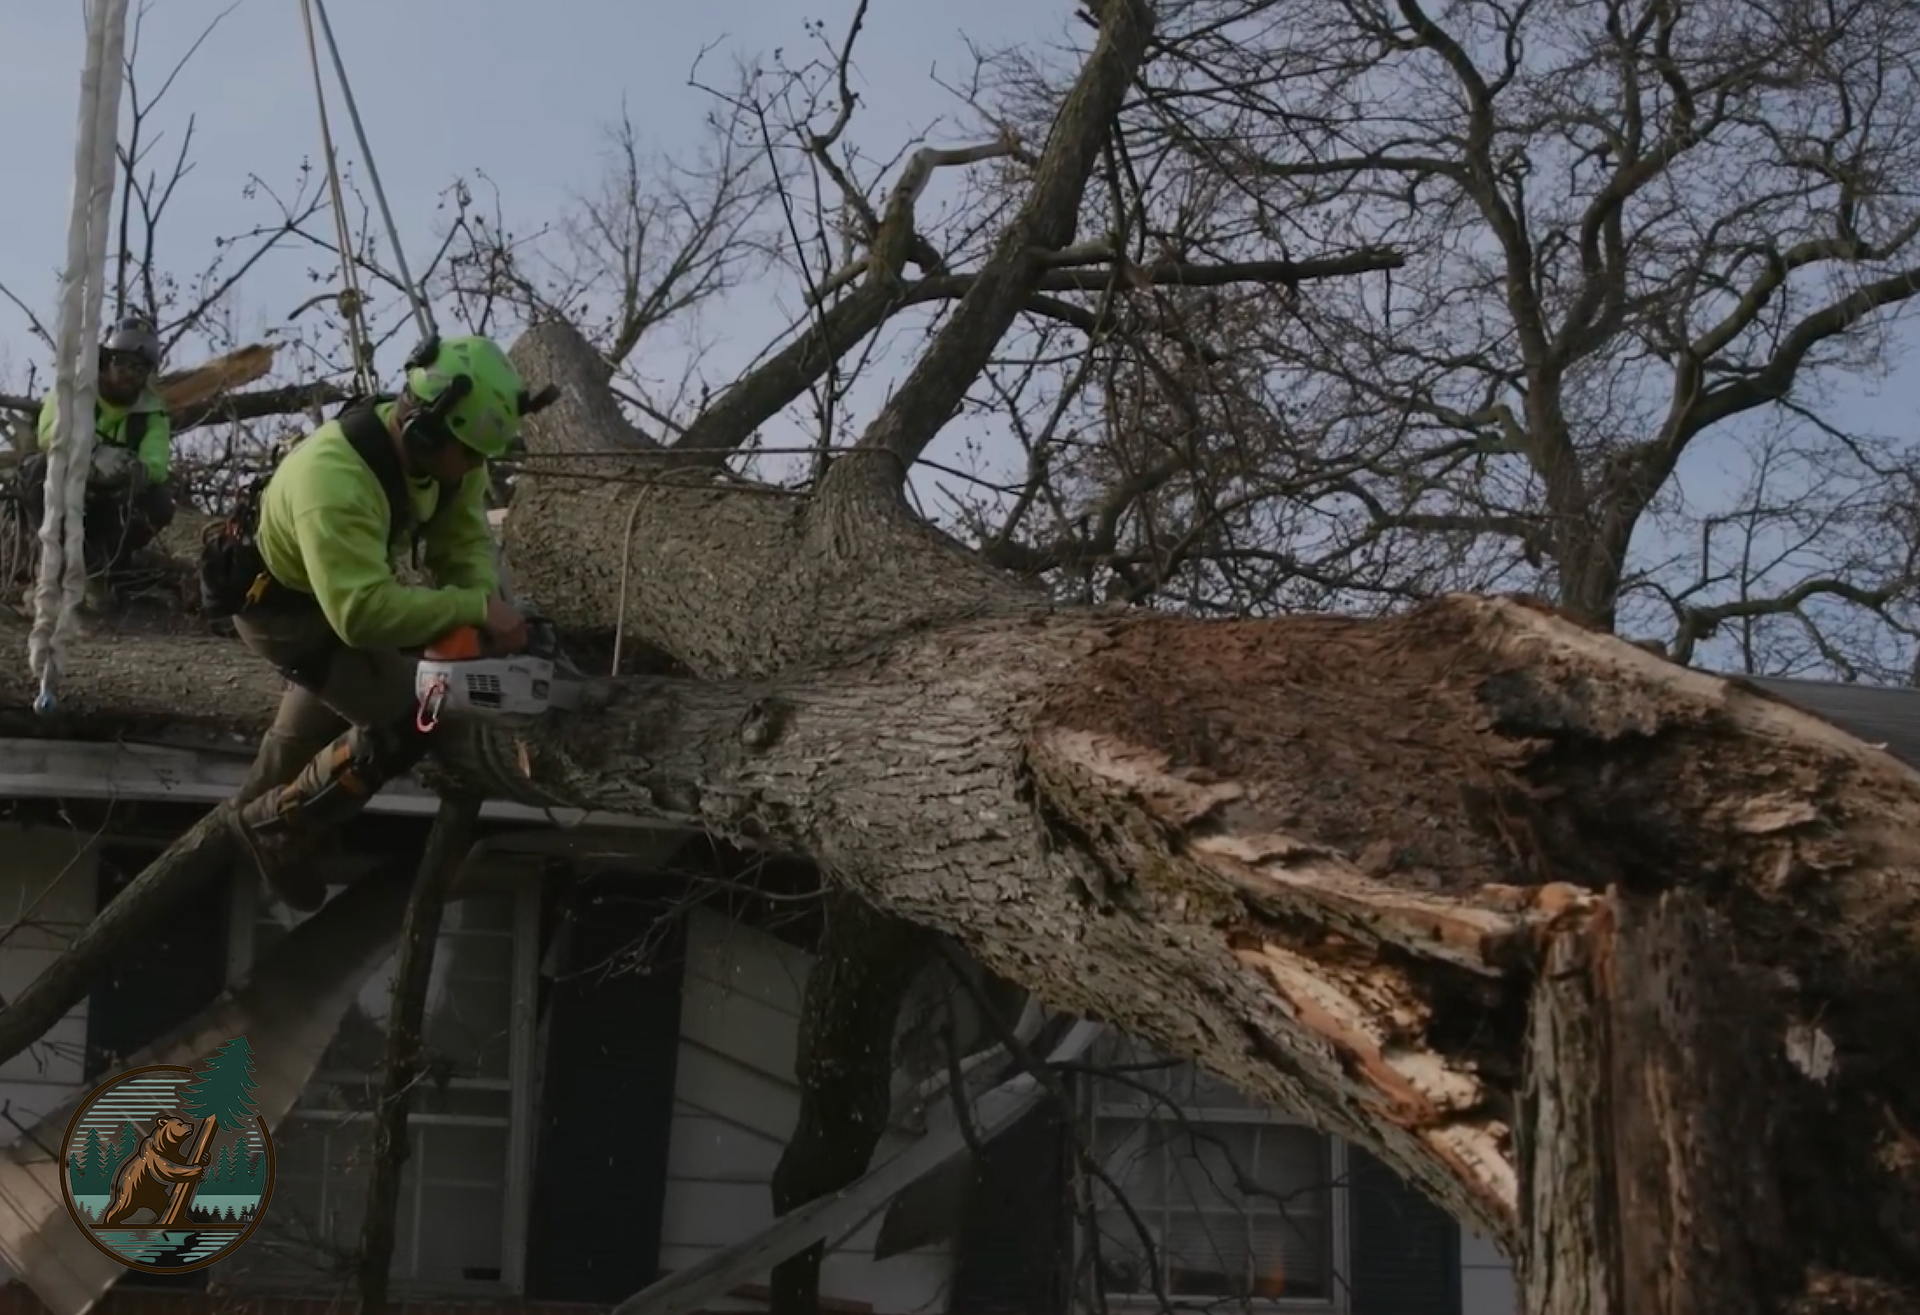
column 292, row 829
column 338, row 781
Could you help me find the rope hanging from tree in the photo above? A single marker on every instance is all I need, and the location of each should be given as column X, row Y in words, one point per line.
column 63, row 570
column 352, row 302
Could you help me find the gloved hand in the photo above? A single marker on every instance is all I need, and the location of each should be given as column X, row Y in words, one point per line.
column 114, row 466
column 505, row 626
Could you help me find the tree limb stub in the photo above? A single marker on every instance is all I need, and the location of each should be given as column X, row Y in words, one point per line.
column 844, row 1066
column 405, row 1061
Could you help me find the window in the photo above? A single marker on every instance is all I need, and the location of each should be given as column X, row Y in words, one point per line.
column 461, row 1223
column 1242, row 1204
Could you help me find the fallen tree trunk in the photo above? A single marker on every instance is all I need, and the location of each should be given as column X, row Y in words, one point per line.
column 1272, row 866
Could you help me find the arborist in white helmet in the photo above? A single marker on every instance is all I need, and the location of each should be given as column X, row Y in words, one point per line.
column 129, row 498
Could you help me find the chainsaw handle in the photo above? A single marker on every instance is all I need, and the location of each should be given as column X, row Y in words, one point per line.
column 460, row 644
column 469, row 643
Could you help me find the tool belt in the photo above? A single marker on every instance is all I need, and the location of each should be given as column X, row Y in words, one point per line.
column 234, row 576
column 234, row 581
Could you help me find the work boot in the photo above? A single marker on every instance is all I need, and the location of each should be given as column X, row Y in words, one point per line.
column 294, row 829
column 290, row 859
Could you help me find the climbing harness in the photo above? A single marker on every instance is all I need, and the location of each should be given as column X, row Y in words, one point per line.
column 423, row 317
column 63, row 572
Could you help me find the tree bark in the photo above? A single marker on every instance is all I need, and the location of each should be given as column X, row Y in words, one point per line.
column 1682, row 1113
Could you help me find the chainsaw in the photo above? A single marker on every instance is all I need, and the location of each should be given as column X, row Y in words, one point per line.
column 459, row 680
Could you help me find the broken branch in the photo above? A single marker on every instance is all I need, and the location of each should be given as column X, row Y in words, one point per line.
column 404, row 1063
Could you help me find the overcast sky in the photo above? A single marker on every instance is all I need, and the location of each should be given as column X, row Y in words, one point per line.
column 523, row 91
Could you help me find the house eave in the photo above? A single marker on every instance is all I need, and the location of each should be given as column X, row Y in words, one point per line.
column 85, row 769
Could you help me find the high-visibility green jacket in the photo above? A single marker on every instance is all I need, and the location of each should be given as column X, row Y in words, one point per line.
column 323, row 529
column 144, row 428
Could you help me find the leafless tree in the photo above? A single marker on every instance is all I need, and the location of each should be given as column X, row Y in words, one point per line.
column 1648, row 248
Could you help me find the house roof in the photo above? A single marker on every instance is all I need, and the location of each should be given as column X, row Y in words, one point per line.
column 1878, row 714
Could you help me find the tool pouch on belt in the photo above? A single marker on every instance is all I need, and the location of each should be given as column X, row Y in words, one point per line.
column 231, row 569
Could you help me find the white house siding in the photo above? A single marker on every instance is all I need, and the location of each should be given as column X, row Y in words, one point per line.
column 735, row 1100
column 735, row 1103
column 1486, row 1279
column 47, row 894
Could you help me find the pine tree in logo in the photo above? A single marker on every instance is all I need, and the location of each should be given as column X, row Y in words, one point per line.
column 221, row 1097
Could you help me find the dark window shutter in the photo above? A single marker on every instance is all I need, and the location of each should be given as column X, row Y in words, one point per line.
column 606, row 1109
column 1406, row 1250
column 167, row 976
column 1015, row 1248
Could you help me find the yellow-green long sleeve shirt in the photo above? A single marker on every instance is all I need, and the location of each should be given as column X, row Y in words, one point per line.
column 323, row 530
column 111, row 427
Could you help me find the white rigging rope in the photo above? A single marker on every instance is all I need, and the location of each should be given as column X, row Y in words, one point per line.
column 352, row 301
column 423, row 317
column 63, row 569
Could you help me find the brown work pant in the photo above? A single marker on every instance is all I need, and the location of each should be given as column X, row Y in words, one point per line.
column 363, row 687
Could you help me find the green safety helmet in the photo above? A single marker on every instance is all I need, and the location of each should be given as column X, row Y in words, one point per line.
column 468, row 384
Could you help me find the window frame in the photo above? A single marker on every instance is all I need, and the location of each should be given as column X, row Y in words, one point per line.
column 1145, row 1110
column 494, row 874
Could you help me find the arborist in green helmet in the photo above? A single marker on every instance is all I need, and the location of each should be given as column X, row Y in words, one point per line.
column 312, row 590
column 129, row 499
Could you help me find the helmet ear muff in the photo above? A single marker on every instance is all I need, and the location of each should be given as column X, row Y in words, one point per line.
column 423, row 436
column 427, row 428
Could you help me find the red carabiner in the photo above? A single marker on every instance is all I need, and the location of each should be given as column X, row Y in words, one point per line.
column 431, row 702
